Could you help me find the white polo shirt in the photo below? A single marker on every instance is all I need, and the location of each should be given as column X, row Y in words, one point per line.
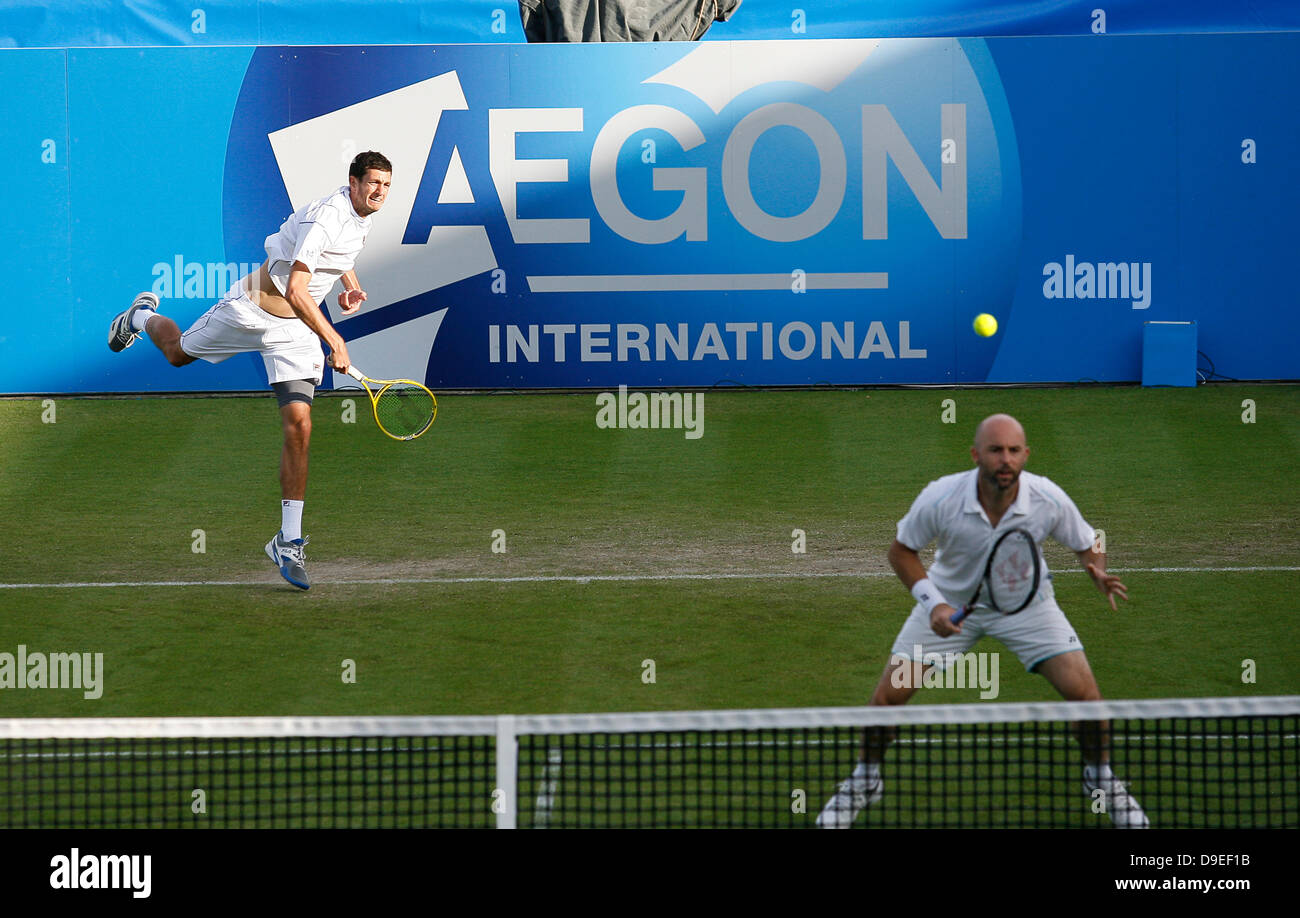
column 949, row 511
column 325, row 235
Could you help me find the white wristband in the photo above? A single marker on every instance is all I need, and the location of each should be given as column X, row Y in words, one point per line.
column 927, row 595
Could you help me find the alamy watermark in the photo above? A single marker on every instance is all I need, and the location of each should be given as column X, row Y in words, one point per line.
column 37, row 670
column 197, row 280
column 75, row 870
column 949, row 670
column 651, row 410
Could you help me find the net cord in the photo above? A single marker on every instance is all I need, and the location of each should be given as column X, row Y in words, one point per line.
column 658, row 721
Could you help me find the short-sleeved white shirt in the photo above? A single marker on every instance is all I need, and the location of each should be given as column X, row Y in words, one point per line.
column 948, row 510
column 325, row 235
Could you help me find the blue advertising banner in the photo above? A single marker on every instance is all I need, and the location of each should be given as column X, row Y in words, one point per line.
column 762, row 213
column 155, row 23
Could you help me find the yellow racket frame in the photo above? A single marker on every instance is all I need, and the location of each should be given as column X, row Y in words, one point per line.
column 383, row 384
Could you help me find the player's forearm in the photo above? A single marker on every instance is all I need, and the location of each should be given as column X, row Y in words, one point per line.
column 906, row 564
column 306, row 309
column 310, row 313
column 349, row 280
column 1089, row 556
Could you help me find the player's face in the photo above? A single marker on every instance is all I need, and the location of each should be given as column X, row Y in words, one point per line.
column 1001, row 455
column 369, row 191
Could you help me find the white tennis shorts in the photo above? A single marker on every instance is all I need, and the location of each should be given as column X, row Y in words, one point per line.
column 1036, row 633
column 236, row 325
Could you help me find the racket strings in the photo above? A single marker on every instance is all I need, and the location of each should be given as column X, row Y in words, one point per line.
column 405, row 410
column 1013, row 573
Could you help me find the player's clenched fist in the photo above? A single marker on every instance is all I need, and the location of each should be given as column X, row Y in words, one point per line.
column 351, row 300
column 941, row 620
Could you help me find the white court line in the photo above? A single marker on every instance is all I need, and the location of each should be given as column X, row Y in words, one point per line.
column 593, row 578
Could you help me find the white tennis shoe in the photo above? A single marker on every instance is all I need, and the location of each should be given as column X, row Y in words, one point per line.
column 122, row 334
column 291, row 558
column 853, row 796
column 1121, row 806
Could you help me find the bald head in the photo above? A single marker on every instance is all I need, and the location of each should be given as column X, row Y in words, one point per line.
column 1001, row 428
column 1000, row 452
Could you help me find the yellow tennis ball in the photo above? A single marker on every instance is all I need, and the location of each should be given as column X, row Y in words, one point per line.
column 985, row 325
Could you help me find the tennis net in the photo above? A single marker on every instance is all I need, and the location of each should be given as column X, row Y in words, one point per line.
column 1214, row 763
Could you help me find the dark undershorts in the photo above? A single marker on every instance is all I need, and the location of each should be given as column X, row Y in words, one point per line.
column 294, row 390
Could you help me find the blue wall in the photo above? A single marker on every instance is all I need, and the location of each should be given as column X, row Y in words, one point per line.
column 107, row 23
column 927, row 179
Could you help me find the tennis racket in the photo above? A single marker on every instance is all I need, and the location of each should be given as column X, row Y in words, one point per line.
column 403, row 408
column 1010, row 580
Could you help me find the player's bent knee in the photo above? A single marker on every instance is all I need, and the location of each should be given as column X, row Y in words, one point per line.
column 898, row 683
column 297, row 425
column 1084, row 693
column 178, row 358
column 1071, row 675
column 900, row 680
column 892, row 696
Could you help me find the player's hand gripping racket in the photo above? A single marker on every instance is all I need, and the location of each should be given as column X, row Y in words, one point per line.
column 1010, row 580
column 403, row 408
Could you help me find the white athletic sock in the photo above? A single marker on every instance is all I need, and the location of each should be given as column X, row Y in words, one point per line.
column 291, row 519
column 141, row 318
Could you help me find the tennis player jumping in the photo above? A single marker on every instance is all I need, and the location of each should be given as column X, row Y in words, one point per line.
column 965, row 512
column 276, row 312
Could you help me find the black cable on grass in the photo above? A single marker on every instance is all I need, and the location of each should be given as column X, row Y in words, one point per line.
column 1205, row 376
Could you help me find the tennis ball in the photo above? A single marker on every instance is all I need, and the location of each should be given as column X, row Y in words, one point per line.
column 985, row 325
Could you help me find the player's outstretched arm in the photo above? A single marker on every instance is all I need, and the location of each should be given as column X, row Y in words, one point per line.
column 1094, row 562
column 907, row 565
column 307, row 310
